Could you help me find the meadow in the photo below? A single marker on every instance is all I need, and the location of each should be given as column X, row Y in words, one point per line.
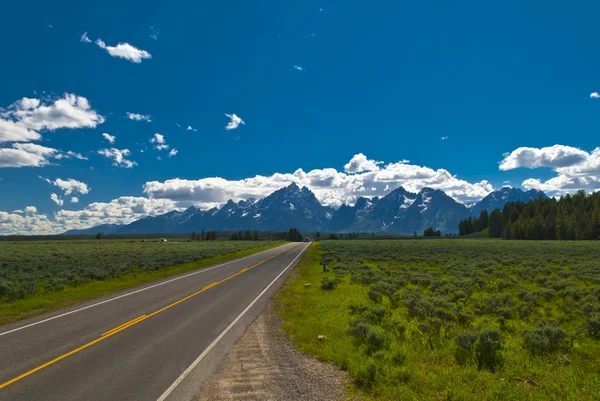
column 36, row 276
column 452, row 319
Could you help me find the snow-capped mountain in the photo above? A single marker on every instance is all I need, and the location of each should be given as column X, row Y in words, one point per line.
column 399, row 211
column 497, row 199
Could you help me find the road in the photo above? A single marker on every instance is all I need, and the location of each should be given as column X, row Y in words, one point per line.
column 156, row 342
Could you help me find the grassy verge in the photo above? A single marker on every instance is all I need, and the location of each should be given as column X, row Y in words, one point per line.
column 45, row 301
column 436, row 342
column 310, row 312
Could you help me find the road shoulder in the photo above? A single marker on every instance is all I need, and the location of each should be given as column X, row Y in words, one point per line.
column 264, row 365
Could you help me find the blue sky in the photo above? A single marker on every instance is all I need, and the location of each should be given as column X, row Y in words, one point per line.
column 315, row 83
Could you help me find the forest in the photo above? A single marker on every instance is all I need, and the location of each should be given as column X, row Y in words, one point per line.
column 572, row 217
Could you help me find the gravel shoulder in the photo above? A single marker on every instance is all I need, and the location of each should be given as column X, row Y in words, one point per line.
column 264, row 365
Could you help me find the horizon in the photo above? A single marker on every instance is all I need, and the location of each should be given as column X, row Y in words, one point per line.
column 196, row 104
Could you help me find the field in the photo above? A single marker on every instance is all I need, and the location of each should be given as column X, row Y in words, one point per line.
column 37, row 276
column 452, row 319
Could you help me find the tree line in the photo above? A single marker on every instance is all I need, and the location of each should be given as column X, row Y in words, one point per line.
column 572, row 217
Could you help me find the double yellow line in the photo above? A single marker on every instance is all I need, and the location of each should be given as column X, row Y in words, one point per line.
column 135, row 321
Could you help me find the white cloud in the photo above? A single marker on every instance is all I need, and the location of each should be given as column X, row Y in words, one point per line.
column 26, row 155
column 157, row 138
column 74, row 199
column 154, row 32
column 595, row 95
column 11, row 131
column 110, row 138
column 330, row 186
column 84, row 38
column 576, row 169
column 123, row 210
column 125, row 51
column 71, row 186
column 360, row 163
column 30, row 210
column 173, row 152
column 189, row 128
column 299, row 68
column 70, row 111
column 159, row 142
column 552, row 156
column 445, row 137
column 56, row 199
column 235, row 121
column 138, row 117
column 70, row 155
column 118, row 156
column 588, row 167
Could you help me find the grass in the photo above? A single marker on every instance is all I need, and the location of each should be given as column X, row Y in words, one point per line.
column 453, row 319
column 137, row 269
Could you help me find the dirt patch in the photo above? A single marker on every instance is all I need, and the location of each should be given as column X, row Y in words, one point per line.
column 263, row 365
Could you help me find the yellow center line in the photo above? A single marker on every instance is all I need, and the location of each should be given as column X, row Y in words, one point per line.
column 124, row 324
column 135, row 321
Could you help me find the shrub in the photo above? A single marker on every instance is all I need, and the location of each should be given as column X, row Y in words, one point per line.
column 375, row 295
column 375, row 338
column 328, row 284
column 544, row 338
column 593, row 325
column 466, row 340
column 399, row 358
column 359, row 328
column 487, row 350
column 365, row 377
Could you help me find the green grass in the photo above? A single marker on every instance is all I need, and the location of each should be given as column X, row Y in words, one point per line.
column 403, row 346
column 62, row 273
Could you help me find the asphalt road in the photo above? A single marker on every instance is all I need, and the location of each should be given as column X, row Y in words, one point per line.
column 184, row 327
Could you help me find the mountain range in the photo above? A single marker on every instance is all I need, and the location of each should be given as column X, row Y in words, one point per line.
column 399, row 211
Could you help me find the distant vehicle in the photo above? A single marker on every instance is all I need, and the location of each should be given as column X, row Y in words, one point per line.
column 163, row 240
column 306, row 239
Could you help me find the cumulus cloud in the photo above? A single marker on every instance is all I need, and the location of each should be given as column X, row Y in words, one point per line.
column 138, row 117
column 118, row 157
column 30, row 224
column 30, row 210
column 84, row 38
column 329, row 185
column 595, row 95
column 110, row 138
column 69, row 186
column 26, row 155
column 23, row 120
column 54, row 197
column 11, row 131
column 123, row 210
column 74, row 199
column 159, row 142
column 235, row 121
column 157, row 138
column 125, row 51
column 553, row 156
column 576, row 169
column 299, row 68
column 189, row 128
column 173, row 152
column 360, row 163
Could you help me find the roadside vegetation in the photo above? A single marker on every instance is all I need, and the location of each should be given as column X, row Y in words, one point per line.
column 452, row 319
column 38, row 276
